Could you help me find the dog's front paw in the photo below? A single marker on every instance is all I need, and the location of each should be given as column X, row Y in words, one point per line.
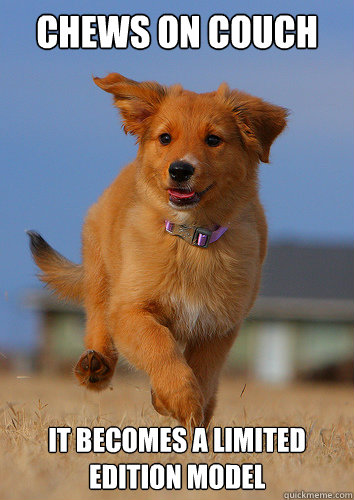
column 189, row 407
column 94, row 370
column 183, row 401
column 157, row 404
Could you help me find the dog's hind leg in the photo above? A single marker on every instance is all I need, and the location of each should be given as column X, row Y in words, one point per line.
column 206, row 358
column 96, row 365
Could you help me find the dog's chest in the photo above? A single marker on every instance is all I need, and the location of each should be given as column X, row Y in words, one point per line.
column 195, row 292
column 186, row 317
column 193, row 315
column 201, row 294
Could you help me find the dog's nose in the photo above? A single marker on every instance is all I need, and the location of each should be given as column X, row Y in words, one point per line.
column 181, row 171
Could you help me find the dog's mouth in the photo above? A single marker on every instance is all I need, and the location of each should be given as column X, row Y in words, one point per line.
column 183, row 197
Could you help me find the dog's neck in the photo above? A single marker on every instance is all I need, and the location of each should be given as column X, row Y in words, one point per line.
column 196, row 218
column 195, row 235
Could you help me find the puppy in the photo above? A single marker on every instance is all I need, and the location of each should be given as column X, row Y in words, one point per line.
column 173, row 249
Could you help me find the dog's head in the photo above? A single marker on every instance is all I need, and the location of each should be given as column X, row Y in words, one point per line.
column 198, row 153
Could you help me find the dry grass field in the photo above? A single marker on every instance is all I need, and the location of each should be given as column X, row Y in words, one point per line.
column 30, row 405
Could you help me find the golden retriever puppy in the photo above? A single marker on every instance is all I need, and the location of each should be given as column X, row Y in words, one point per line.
column 173, row 249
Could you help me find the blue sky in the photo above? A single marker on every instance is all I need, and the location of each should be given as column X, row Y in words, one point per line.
column 61, row 142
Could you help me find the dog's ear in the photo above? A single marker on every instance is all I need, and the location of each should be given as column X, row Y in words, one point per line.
column 136, row 101
column 259, row 121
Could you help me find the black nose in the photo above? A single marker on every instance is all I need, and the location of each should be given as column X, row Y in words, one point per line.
column 181, row 171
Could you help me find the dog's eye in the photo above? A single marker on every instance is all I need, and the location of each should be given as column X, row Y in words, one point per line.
column 212, row 140
column 165, row 138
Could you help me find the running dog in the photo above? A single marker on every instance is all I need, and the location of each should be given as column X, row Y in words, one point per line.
column 173, row 249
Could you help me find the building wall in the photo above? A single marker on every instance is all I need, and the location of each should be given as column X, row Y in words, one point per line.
column 272, row 351
column 280, row 351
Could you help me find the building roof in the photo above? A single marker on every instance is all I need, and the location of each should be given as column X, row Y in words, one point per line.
column 300, row 282
column 304, row 271
column 307, row 282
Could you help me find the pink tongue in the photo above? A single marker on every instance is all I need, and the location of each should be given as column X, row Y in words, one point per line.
column 181, row 194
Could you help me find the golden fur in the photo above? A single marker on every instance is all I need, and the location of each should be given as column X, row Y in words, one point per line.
column 172, row 309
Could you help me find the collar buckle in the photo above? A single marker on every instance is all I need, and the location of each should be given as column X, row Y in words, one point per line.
column 201, row 237
column 197, row 236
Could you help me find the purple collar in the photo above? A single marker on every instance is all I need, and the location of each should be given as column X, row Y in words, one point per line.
column 197, row 236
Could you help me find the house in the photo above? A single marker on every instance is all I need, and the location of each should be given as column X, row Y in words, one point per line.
column 302, row 322
column 300, row 326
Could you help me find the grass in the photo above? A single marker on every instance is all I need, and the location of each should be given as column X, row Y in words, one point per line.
column 29, row 405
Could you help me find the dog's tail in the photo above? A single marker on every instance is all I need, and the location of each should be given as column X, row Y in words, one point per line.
column 59, row 273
